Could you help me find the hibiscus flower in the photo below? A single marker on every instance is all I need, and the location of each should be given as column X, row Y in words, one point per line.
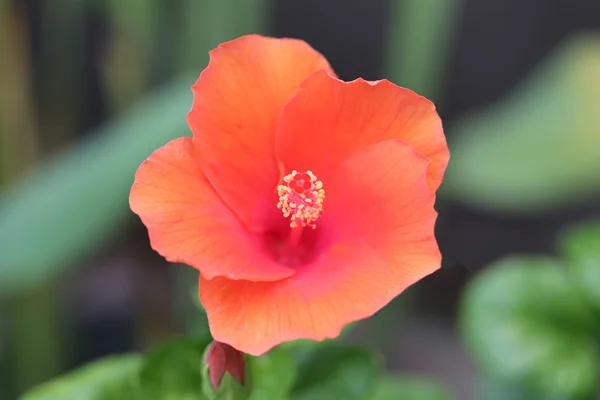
column 305, row 202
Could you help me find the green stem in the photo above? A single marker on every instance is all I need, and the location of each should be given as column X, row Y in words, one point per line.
column 209, row 23
column 61, row 50
column 35, row 336
column 421, row 33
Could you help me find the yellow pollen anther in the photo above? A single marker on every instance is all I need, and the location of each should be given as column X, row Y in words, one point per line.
column 301, row 198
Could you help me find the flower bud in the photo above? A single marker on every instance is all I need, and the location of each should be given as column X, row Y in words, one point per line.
column 221, row 358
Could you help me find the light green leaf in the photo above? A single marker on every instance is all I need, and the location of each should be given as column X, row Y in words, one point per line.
column 112, row 378
column 526, row 322
column 273, row 375
column 538, row 148
column 581, row 247
column 174, row 370
column 74, row 203
column 410, row 388
column 337, row 372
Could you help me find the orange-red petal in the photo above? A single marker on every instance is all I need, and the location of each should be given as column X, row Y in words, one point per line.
column 237, row 100
column 187, row 221
column 380, row 216
column 329, row 120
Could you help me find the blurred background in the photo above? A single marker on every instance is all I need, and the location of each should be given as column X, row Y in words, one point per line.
column 88, row 88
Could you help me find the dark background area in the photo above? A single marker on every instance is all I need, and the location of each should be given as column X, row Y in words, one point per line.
column 124, row 299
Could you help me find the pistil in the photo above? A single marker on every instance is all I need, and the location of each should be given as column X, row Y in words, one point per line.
column 295, row 237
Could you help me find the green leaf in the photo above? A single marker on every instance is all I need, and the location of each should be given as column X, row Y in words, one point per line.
column 112, row 378
column 302, row 350
column 525, row 322
column 492, row 389
column 410, row 388
column 272, row 375
column 581, row 247
column 538, row 148
column 337, row 372
column 70, row 206
column 174, row 371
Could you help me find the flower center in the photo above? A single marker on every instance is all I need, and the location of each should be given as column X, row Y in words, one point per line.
column 301, row 198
